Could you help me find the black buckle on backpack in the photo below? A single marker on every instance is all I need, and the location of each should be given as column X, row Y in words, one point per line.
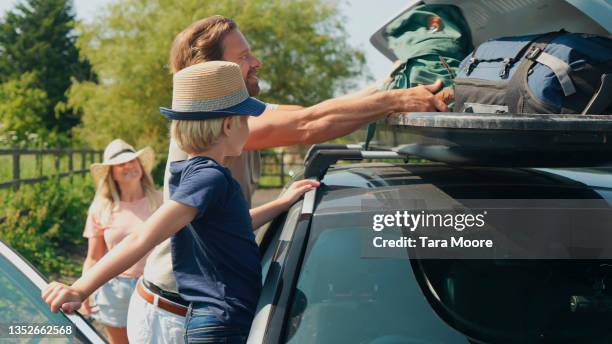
column 473, row 62
column 533, row 53
column 503, row 73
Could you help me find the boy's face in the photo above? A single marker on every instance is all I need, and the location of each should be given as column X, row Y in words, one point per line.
column 237, row 133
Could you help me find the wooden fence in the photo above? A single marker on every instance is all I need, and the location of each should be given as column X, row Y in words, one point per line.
column 86, row 156
column 279, row 167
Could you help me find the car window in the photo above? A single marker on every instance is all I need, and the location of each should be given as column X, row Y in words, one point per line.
column 21, row 304
column 342, row 297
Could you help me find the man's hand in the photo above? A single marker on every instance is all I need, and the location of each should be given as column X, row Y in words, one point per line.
column 419, row 99
column 447, row 95
column 58, row 295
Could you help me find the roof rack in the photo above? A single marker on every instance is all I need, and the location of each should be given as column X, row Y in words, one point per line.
column 321, row 156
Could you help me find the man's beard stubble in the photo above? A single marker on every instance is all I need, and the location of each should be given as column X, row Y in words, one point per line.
column 253, row 87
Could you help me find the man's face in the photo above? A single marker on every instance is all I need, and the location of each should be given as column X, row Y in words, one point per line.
column 236, row 49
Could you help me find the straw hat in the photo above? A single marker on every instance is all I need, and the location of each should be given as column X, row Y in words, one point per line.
column 208, row 90
column 119, row 152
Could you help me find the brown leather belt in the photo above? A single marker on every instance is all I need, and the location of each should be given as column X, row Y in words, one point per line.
column 159, row 301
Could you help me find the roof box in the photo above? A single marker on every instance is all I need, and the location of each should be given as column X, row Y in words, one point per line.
column 501, row 139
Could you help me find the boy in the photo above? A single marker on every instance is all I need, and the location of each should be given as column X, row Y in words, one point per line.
column 214, row 254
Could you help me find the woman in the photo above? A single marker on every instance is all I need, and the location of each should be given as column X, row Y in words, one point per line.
column 125, row 197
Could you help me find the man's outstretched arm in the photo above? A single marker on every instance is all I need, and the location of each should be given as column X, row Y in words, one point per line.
column 336, row 117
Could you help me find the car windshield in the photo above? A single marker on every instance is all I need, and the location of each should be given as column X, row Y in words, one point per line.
column 344, row 298
column 21, row 304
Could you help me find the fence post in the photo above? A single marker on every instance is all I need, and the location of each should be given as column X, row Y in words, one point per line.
column 58, row 156
column 39, row 161
column 70, row 164
column 16, row 177
column 282, row 168
column 83, row 163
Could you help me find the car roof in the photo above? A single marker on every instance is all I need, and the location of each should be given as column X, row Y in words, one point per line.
column 346, row 187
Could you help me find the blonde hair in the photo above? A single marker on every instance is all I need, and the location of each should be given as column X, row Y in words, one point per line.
column 200, row 42
column 106, row 199
column 197, row 136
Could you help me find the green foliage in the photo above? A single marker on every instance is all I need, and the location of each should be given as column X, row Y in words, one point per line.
column 22, row 107
column 301, row 43
column 50, row 233
column 38, row 36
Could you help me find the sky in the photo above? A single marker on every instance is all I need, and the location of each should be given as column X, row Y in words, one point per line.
column 364, row 17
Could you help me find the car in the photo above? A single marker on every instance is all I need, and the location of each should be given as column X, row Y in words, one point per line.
column 319, row 288
column 25, row 317
column 322, row 284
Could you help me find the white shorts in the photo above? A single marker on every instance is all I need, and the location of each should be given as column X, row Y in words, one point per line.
column 148, row 323
column 113, row 299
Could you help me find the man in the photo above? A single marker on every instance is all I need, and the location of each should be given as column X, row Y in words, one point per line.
column 156, row 311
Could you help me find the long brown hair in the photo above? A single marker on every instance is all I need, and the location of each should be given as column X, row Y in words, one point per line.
column 200, row 42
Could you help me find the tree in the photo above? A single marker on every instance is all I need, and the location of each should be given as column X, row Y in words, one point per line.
column 302, row 44
column 38, row 36
column 21, row 109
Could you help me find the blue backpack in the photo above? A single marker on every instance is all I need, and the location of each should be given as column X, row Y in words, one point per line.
column 557, row 72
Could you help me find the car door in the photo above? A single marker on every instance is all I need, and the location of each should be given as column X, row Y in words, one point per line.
column 279, row 258
column 23, row 313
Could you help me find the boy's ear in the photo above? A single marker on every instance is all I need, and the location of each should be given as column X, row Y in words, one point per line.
column 227, row 125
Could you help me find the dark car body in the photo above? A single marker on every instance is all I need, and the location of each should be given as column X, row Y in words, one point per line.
column 319, row 288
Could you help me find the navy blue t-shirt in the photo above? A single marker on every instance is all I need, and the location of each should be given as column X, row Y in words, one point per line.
column 215, row 258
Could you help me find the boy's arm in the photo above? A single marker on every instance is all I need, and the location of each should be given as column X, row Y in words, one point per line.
column 167, row 220
column 265, row 213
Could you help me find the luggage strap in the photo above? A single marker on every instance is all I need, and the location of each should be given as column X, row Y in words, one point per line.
column 515, row 85
column 508, row 61
column 602, row 98
column 370, row 135
column 558, row 66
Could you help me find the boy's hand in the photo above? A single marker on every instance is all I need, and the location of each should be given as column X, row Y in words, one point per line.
column 87, row 308
column 296, row 190
column 58, row 295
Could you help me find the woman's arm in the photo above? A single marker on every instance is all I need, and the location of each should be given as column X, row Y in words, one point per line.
column 167, row 220
column 265, row 213
column 96, row 249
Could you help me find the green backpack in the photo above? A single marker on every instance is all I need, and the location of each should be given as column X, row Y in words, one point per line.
column 431, row 40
